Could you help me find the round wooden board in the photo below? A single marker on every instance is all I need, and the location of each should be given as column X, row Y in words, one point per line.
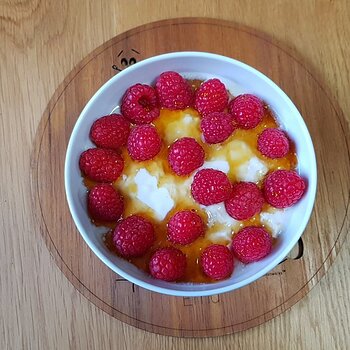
column 220, row 314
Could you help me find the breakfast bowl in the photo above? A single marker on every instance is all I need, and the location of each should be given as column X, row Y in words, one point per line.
column 238, row 78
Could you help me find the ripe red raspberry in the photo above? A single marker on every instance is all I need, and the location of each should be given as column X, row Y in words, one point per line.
column 185, row 155
column 251, row 243
column 273, row 143
column 140, row 104
column 144, row 142
column 173, row 91
column 210, row 186
column 101, row 165
column 105, row 203
column 217, row 262
column 283, row 188
column 133, row 236
column 211, row 97
column 247, row 111
column 245, row 201
column 217, row 127
column 110, row 131
column 185, row 227
column 168, row 264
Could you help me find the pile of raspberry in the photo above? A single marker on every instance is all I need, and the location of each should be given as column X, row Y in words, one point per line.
column 134, row 236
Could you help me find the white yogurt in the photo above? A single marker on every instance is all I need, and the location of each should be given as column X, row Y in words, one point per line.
column 217, row 214
column 252, row 170
column 182, row 127
column 221, row 165
column 235, row 157
column 148, row 192
column 274, row 220
column 220, row 235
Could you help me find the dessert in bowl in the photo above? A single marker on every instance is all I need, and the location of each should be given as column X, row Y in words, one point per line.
column 205, row 170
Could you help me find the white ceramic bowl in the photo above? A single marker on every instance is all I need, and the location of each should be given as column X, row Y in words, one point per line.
column 238, row 77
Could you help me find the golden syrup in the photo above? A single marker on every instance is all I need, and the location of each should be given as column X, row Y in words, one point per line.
column 89, row 184
column 236, row 150
column 195, row 83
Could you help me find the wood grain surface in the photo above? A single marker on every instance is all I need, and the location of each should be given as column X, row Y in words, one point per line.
column 220, row 314
column 40, row 42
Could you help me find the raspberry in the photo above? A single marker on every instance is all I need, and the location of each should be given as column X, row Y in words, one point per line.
column 251, row 243
column 168, row 264
column 144, row 142
column 210, row 97
column 101, row 165
column 173, row 91
column 110, row 131
column 210, row 186
column 217, row 127
column 273, row 143
column 217, row 262
column 133, row 236
column 105, row 203
column 247, row 111
column 140, row 104
column 185, row 227
column 245, row 201
column 185, row 156
column 283, row 188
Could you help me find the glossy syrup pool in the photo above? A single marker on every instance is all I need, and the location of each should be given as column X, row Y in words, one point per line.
column 236, row 150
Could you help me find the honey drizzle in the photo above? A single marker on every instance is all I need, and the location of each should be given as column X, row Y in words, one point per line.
column 170, row 126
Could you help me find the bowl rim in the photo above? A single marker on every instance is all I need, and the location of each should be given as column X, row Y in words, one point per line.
column 312, row 181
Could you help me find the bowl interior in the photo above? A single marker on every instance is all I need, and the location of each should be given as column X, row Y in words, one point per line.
column 238, row 78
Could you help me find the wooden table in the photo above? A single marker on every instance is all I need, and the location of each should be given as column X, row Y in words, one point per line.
column 40, row 42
